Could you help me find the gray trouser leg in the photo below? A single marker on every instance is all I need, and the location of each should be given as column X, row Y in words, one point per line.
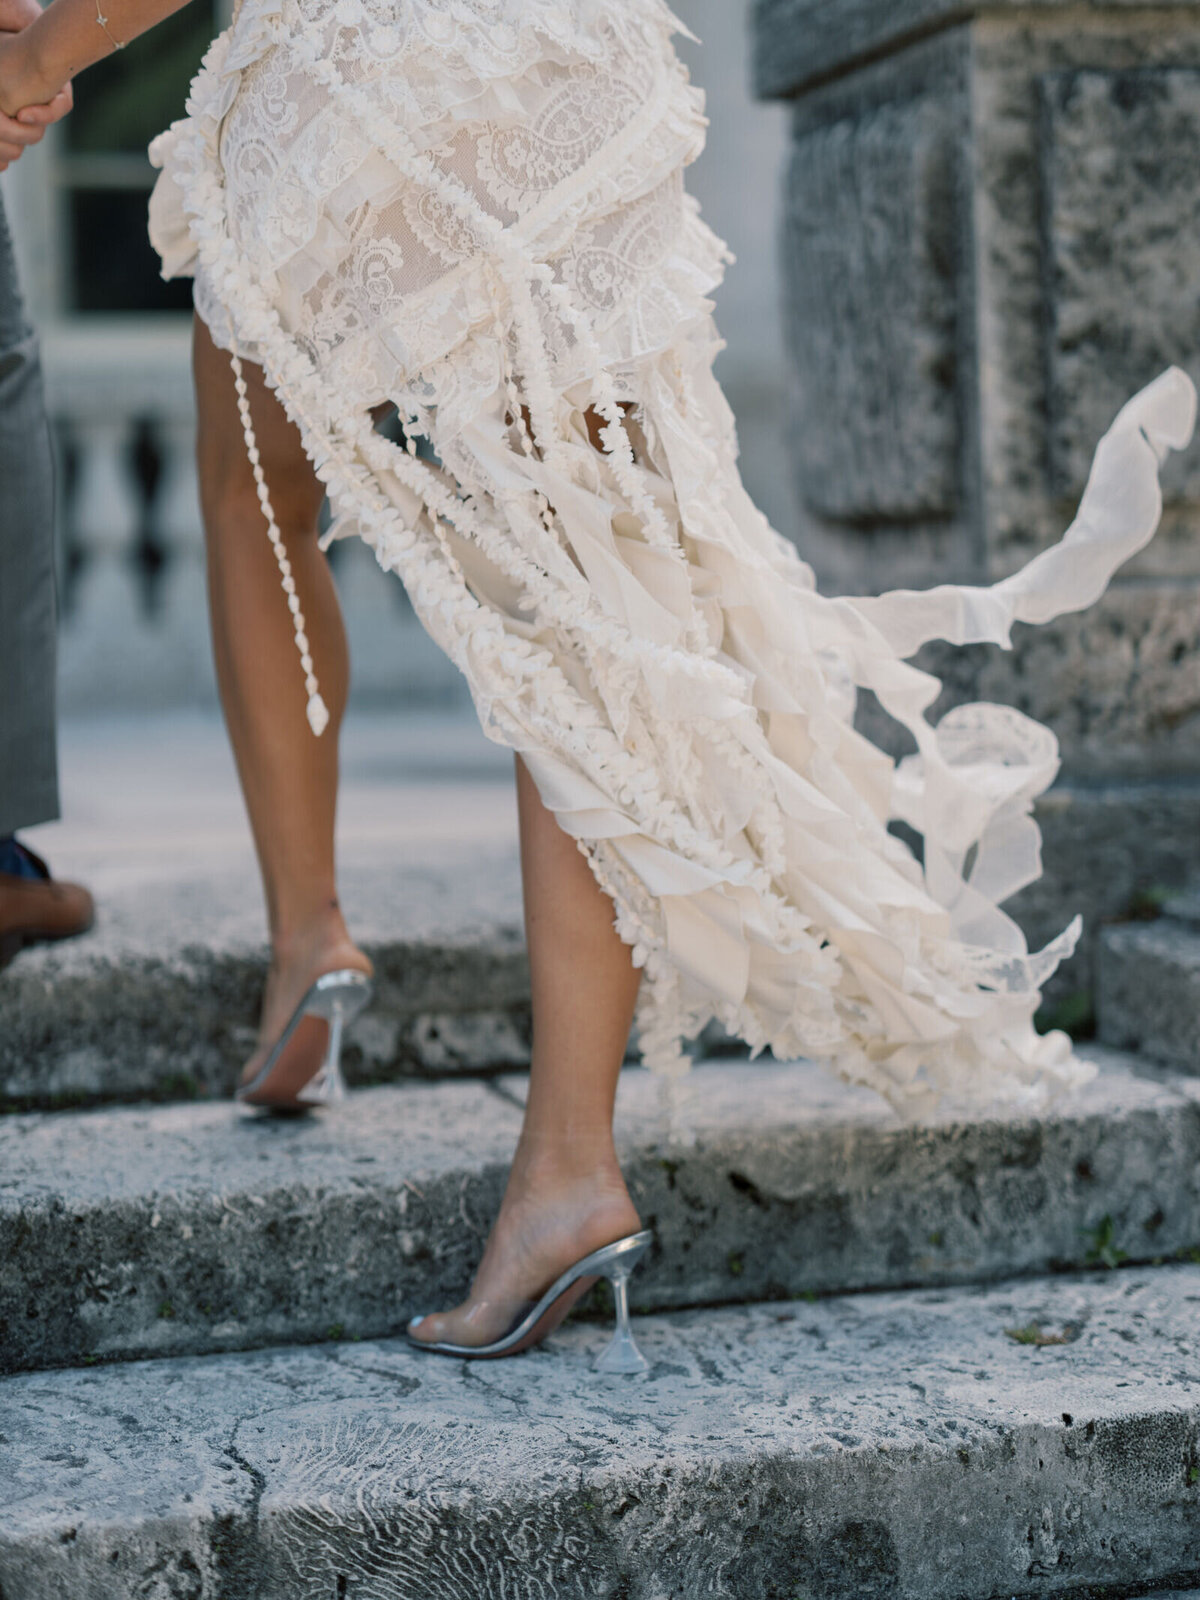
column 28, row 764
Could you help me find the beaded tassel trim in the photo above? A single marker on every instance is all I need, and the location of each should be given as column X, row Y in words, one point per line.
column 318, row 711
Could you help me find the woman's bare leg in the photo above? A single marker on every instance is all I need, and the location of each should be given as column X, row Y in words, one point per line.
column 565, row 1194
column 288, row 777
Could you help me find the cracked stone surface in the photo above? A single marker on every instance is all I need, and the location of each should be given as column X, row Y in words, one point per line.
column 899, row 1445
column 181, row 1229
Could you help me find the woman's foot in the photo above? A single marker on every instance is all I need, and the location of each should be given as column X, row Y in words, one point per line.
column 295, row 966
column 553, row 1214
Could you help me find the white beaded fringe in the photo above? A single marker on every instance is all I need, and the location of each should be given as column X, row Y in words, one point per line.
column 318, row 711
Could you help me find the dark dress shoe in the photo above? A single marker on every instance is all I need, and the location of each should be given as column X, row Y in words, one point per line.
column 35, row 909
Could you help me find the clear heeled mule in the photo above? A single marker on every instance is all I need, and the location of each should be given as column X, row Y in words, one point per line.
column 335, row 998
column 616, row 1262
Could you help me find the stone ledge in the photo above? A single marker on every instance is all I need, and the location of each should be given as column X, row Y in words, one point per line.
column 802, row 43
column 161, row 1002
column 179, row 1230
column 799, row 44
column 1148, row 991
column 905, row 1446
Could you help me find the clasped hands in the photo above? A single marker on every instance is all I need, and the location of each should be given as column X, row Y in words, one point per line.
column 24, row 112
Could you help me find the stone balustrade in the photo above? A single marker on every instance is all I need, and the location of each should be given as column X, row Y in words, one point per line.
column 135, row 629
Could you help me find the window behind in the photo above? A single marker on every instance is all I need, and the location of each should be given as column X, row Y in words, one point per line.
column 103, row 177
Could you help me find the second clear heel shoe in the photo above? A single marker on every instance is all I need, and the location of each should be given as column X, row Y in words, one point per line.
column 336, row 998
column 615, row 1262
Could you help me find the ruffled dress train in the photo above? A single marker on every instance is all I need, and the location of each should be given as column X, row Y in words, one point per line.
column 474, row 209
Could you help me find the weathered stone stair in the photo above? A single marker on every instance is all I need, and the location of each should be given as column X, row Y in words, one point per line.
column 1013, row 1409
column 894, row 1445
column 161, row 1000
column 955, row 1438
column 150, row 1010
column 184, row 1229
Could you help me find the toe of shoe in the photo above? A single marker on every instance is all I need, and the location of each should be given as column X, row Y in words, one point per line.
column 43, row 908
column 78, row 907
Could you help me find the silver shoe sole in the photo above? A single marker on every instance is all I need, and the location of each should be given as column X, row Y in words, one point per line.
column 336, row 998
column 615, row 1262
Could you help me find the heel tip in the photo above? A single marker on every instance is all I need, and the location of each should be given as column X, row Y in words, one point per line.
column 630, row 1369
column 622, row 1358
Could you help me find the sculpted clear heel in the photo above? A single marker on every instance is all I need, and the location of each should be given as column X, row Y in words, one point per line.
column 616, row 1262
column 335, row 998
column 622, row 1354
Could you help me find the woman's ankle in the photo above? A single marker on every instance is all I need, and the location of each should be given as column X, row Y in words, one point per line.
column 314, row 938
column 555, row 1166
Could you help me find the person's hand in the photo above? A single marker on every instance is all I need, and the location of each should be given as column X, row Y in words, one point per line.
column 23, row 121
column 18, row 14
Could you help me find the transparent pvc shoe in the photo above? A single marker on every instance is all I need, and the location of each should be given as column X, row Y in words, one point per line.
column 336, row 998
column 615, row 1262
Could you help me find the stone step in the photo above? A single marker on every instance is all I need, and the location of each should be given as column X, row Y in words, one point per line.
column 162, row 1002
column 184, row 1229
column 1148, row 990
column 1031, row 1438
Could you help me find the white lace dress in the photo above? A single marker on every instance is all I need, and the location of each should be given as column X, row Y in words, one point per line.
column 475, row 209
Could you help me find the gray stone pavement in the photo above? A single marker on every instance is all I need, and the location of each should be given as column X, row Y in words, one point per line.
column 917, row 1447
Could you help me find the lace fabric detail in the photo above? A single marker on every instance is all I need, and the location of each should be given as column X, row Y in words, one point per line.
column 475, row 209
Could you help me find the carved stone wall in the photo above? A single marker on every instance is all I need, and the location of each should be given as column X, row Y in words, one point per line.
column 876, row 251
column 1121, row 181
column 871, row 250
column 992, row 239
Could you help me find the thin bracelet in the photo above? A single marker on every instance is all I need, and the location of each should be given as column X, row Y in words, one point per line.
column 117, row 44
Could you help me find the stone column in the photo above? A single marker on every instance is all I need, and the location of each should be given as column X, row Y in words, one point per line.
column 991, row 240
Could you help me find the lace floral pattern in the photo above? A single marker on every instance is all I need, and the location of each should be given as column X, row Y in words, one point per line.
column 475, row 208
